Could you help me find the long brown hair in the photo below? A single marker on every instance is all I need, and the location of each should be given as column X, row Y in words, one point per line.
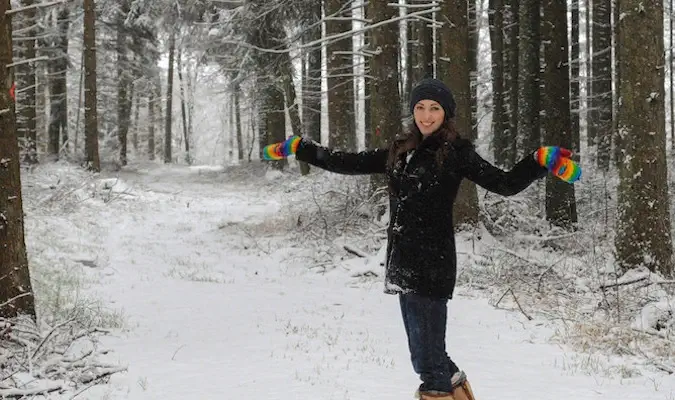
column 412, row 137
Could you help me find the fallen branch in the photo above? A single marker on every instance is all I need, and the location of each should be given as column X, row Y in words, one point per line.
column 355, row 251
column 624, row 283
column 651, row 332
column 19, row 393
column 529, row 318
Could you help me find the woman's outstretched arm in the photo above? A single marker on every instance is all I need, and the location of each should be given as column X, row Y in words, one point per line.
column 361, row 163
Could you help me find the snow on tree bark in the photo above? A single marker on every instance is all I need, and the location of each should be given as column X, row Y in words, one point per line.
column 341, row 122
column 454, row 70
column 560, row 201
column 643, row 221
column 16, row 296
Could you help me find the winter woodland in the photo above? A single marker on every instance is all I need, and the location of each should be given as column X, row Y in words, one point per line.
column 146, row 251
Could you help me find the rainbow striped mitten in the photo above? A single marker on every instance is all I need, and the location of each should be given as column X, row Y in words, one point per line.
column 278, row 151
column 556, row 159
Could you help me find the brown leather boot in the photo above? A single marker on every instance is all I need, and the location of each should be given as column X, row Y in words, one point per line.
column 461, row 388
column 434, row 395
column 463, row 392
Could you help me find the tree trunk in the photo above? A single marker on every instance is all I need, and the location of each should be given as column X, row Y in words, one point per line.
column 618, row 145
column 58, row 118
column 411, row 49
column 291, row 103
column 237, row 117
column 311, row 91
column 512, row 76
column 473, row 65
column 601, row 86
column 169, row 101
column 137, row 107
column 528, row 83
column 590, row 130
column 385, row 117
column 454, row 70
column 561, row 207
column 643, row 221
column 124, row 82
column 575, row 93
column 500, row 138
column 423, row 57
column 152, row 118
column 26, row 82
column 367, row 103
column 183, row 108
column 90, row 113
column 16, row 293
column 341, row 121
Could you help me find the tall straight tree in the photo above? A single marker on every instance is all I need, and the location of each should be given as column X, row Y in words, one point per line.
column 512, row 74
column 58, row 96
column 618, row 145
column 422, row 55
column 311, row 90
column 601, row 84
column 575, row 62
column 454, row 70
column 529, row 123
column 500, row 131
column 92, row 160
column 124, row 81
column 561, row 207
column 473, row 61
column 341, row 120
column 384, row 92
column 26, row 82
column 168, row 137
column 643, row 222
column 16, row 296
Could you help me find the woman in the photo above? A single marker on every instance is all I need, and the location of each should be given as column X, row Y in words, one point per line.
column 424, row 169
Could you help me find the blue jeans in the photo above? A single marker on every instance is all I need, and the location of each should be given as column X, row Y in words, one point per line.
column 425, row 319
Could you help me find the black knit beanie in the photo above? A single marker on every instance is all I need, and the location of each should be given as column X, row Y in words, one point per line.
column 433, row 89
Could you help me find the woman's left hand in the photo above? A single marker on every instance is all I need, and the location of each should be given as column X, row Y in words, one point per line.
column 556, row 159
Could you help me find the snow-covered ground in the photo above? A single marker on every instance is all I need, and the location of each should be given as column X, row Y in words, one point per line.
column 216, row 300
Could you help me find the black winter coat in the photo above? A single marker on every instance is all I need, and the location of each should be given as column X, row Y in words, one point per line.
column 421, row 255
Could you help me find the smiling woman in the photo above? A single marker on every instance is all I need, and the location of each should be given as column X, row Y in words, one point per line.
column 425, row 167
column 429, row 116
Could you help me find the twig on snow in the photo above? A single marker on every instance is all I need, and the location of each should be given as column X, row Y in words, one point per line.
column 529, row 318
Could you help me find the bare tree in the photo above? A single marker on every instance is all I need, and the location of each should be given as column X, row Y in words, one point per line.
column 16, row 295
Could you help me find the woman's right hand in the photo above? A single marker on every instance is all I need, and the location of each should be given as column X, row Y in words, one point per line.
column 278, row 151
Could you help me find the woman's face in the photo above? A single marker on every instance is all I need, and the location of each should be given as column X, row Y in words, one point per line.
column 429, row 116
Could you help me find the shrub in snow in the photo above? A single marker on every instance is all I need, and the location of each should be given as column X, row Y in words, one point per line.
column 63, row 359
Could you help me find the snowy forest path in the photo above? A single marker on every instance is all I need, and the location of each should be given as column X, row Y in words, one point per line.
column 216, row 312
